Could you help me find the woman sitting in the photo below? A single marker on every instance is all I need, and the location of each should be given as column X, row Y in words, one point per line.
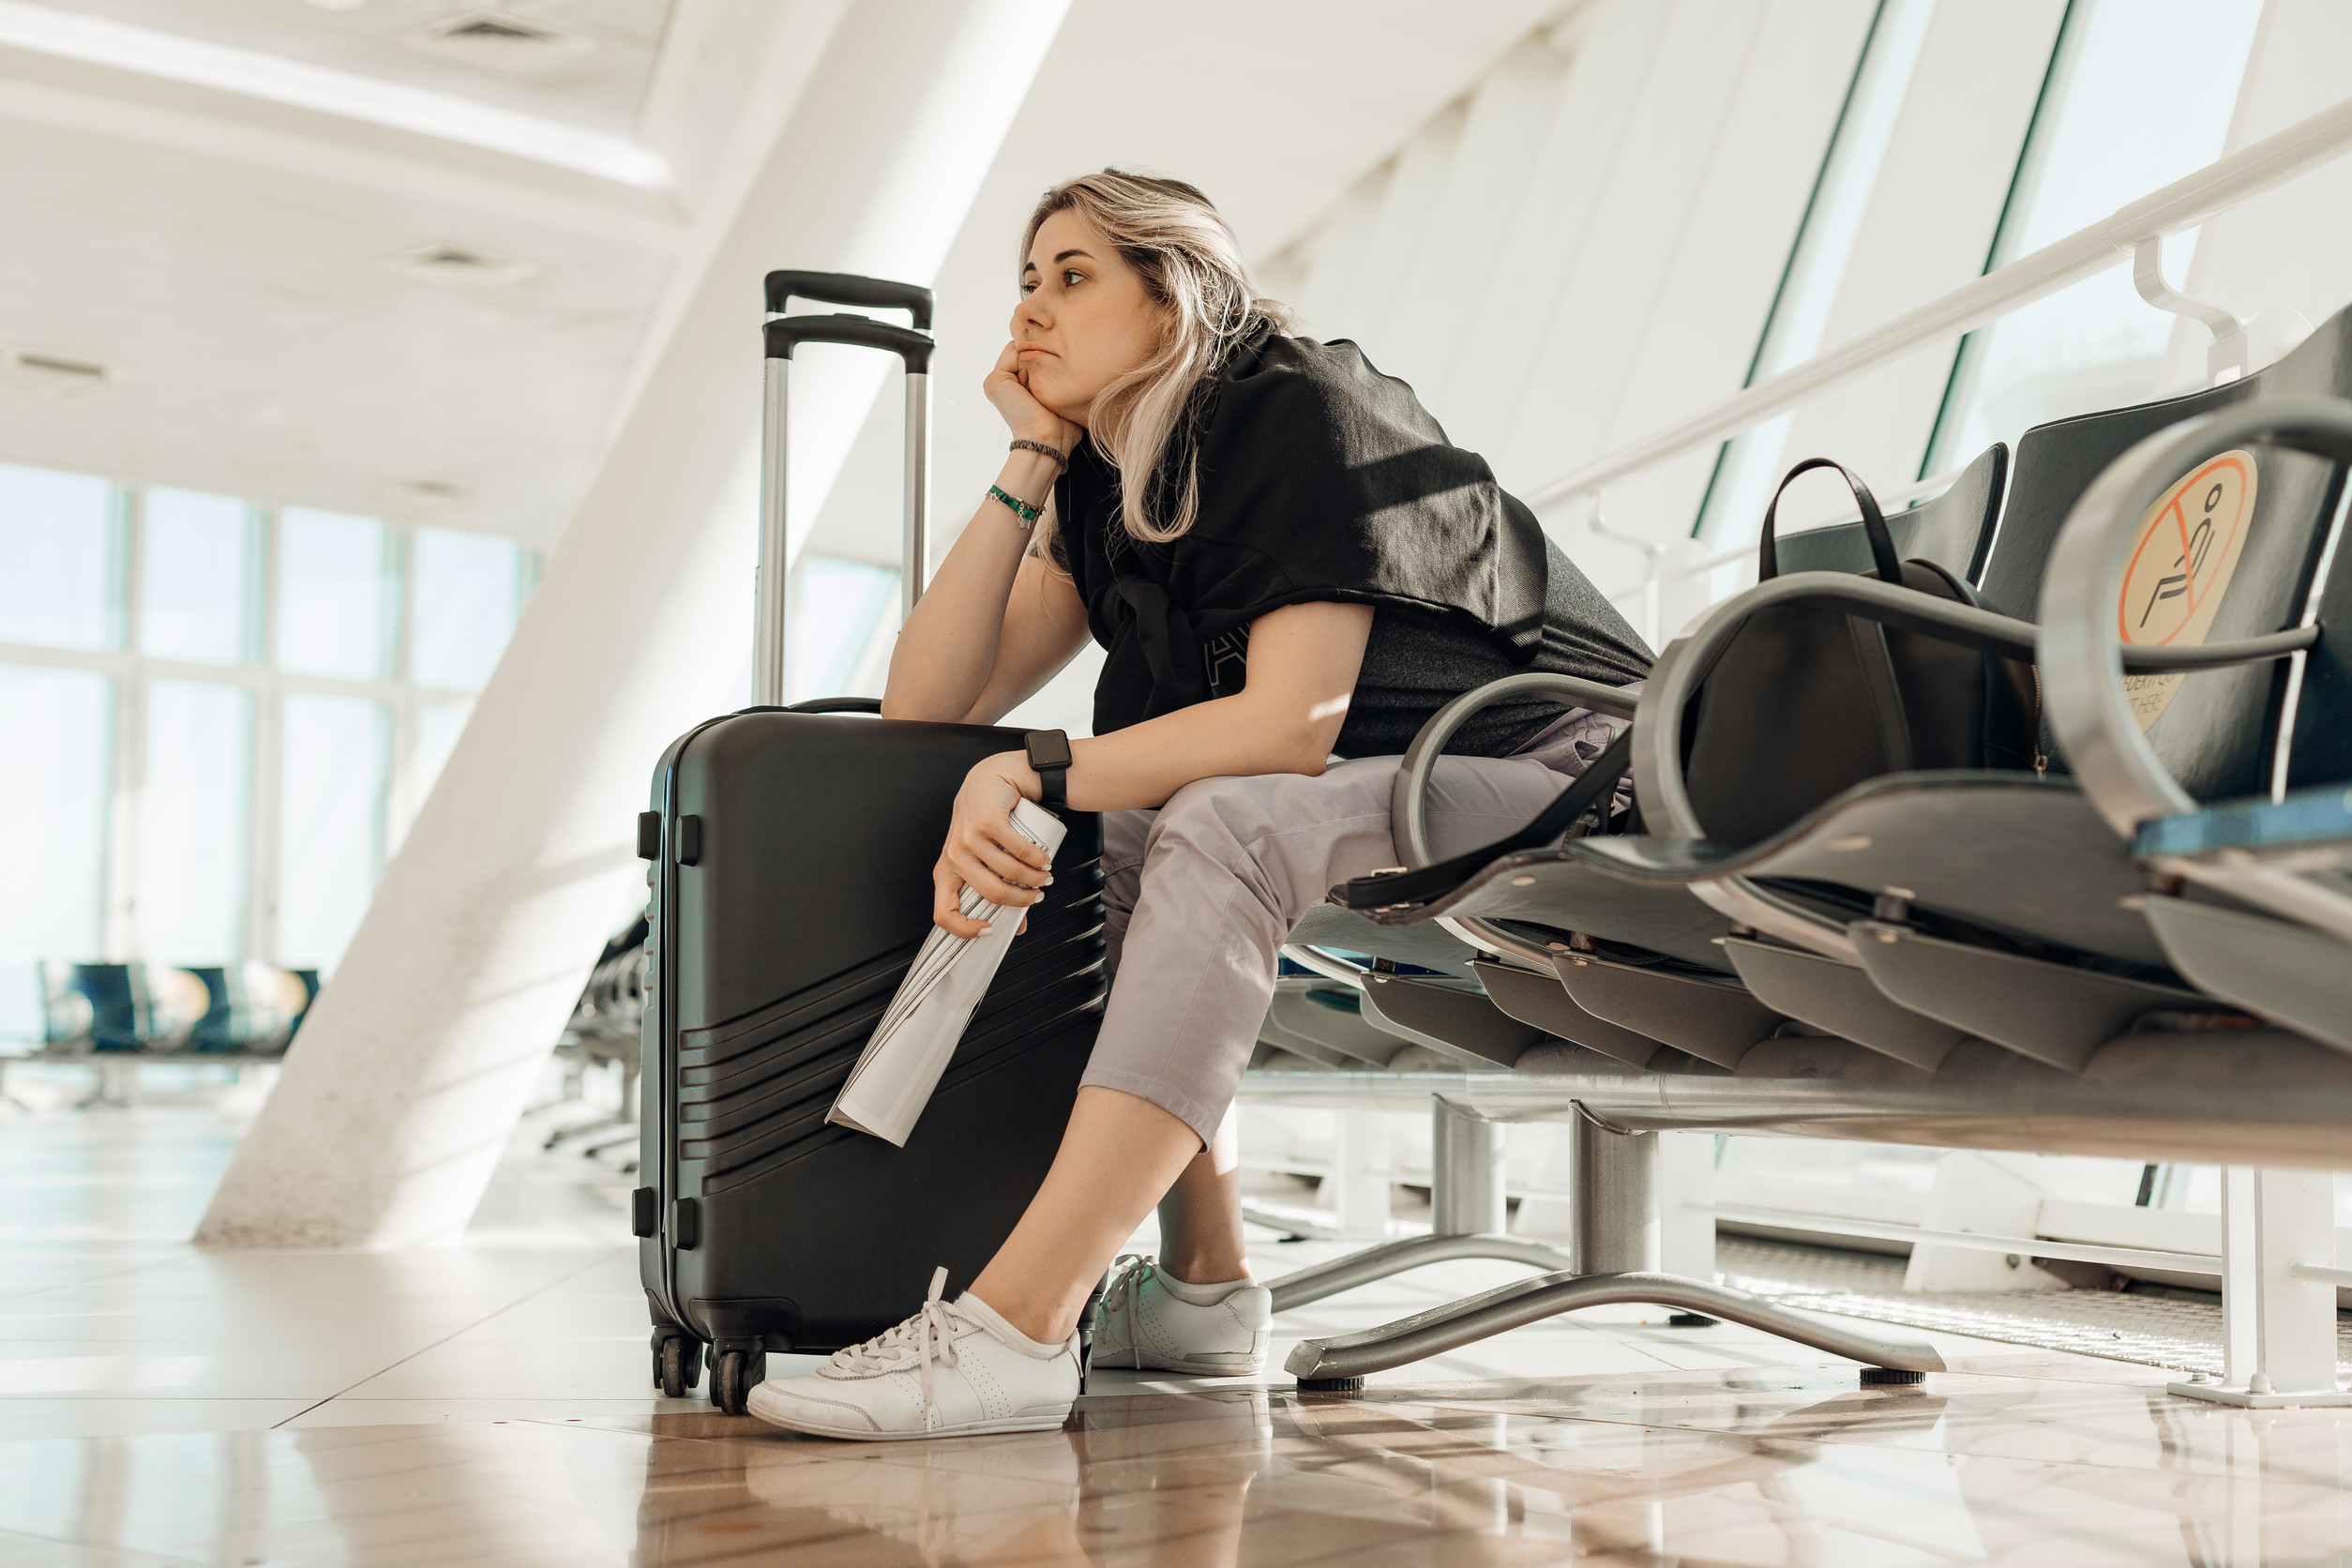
column 1287, row 565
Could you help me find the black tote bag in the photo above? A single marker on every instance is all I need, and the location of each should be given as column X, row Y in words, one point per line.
column 1806, row 702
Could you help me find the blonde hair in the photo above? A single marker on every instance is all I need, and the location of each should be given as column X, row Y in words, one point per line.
column 1191, row 266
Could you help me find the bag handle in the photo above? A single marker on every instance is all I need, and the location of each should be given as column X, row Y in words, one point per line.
column 1874, row 524
column 1587, row 790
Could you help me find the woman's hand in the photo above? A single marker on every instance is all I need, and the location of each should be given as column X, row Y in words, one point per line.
column 1007, row 387
column 984, row 852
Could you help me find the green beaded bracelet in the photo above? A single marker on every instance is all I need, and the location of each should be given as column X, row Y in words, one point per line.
column 1021, row 509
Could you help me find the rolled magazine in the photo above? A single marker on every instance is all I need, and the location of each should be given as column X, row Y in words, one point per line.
column 910, row 1049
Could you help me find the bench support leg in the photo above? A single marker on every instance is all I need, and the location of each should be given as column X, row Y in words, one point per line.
column 2278, row 1327
column 1466, row 1194
column 1619, row 1224
column 1359, row 1168
column 1467, row 1215
column 1348, row 1358
column 117, row 1085
column 1619, row 1207
column 1620, row 1218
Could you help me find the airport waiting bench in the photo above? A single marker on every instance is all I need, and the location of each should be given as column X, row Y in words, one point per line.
column 116, row 1018
column 606, row 1030
column 2144, row 949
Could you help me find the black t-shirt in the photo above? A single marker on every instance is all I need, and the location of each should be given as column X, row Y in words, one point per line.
column 1324, row 480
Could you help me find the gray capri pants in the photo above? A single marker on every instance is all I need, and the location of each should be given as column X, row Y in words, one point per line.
column 1199, row 897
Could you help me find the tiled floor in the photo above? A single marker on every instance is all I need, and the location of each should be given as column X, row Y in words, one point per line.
column 2024, row 1465
column 489, row 1404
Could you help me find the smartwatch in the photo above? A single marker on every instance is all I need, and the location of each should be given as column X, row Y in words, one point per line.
column 1050, row 757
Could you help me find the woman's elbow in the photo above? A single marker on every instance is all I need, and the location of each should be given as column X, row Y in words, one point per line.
column 1284, row 738
column 1309, row 751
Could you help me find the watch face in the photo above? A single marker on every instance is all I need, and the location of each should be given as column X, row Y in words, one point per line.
column 1048, row 748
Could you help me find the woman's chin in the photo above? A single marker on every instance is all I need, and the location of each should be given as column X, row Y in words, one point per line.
column 1042, row 389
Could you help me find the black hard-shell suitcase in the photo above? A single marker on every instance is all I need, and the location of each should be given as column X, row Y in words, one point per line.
column 792, row 852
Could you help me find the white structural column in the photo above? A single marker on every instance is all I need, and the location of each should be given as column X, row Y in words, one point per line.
column 2279, row 1282
column 416, row 1060
column 1686, row 1188
column 1362, row 1167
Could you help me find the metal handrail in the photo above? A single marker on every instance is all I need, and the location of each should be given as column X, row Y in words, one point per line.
column 2301, row 147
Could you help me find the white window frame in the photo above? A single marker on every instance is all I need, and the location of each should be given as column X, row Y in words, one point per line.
column 131, row 670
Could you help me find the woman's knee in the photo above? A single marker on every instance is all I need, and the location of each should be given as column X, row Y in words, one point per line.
column 1271, row 837
column 1213, row 818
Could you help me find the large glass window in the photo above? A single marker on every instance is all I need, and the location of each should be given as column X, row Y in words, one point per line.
column 56, row 788
column 2140, row 95
column 1748, row 465
column 197, row 578
column 61, row 538
column 303, row 619
column 195, row 811
column 337, row 604
column 836, row 608
column 338, row 759
column 469, row 588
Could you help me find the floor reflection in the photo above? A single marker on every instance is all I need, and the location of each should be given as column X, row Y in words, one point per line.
column 1161, row 1479
column 1716, row 1467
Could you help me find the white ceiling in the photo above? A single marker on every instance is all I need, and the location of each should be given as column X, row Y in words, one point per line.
column 602, row 85
column 261, row 339
column 236, row 264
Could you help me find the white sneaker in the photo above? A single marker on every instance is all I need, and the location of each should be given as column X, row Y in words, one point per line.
column 954, row 1369
column 1145, row 1323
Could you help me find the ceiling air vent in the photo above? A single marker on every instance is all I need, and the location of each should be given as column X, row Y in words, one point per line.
column 49, row 375
column 502, row 40
column 460, row 266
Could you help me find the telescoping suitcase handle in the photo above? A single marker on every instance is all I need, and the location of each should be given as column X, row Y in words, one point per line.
column 847, row 288
column 783, row 335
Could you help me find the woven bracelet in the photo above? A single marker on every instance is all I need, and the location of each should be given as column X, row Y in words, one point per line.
column 1041, row 449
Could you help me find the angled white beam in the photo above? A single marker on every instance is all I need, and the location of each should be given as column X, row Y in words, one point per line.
column 717, row 122
column 422, row 1051
column 1411, row 195
column 1511, row 110
column 1334, row 254
column 728, row 71
column 1552, row 238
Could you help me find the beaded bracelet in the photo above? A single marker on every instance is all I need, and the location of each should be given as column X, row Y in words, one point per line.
column 1021, row 509
column 1041, row 449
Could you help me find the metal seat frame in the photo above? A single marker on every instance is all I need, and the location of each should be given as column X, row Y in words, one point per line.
column 2204, row 1099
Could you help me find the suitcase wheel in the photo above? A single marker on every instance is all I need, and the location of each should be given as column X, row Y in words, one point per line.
column 678, row 1365
column 735, row 1373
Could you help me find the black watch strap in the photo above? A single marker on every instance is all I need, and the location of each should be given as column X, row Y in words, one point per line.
column 1049, row 758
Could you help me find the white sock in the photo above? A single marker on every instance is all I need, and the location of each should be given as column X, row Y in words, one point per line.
column 988, row 1318
column 1203, row 1295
